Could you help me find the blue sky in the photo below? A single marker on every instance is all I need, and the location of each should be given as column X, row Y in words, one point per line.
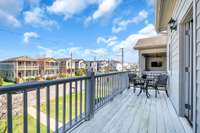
column 87, row 28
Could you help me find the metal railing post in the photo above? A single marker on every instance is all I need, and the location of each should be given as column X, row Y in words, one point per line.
column 90, row 95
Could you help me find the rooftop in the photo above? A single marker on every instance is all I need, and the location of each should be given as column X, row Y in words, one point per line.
column 159, row 41
column 19, row 58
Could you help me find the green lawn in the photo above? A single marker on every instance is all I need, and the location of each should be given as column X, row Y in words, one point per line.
column 18, row 125
column 52, row 107
column 8, row 83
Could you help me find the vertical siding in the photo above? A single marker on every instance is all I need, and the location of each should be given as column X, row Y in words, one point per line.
column 198, row 63
column 175, row 43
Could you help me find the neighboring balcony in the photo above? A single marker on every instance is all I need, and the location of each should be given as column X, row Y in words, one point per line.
column 90, row 104
column 28, row 67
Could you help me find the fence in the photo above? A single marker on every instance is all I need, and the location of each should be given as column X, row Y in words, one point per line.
column 72, row 100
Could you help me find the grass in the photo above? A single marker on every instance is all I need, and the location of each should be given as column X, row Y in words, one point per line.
column 53, row 103
column 8, row 83
column 18, row 125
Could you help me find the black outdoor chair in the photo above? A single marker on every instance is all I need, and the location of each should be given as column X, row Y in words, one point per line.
column 158, row 82
column 132, row 77
column 142, row 83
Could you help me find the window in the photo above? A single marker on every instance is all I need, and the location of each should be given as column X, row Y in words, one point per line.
column 156, row 64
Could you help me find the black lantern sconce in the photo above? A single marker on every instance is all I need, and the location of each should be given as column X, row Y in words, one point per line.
column 172, row 24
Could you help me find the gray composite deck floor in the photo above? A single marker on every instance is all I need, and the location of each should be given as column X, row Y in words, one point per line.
column 129, row 113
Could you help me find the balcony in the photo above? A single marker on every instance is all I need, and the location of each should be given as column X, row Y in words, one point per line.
column 90, row 104
column 129, row 113
column 28, row 67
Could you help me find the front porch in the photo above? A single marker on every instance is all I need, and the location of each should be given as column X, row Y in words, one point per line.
column 129, row 113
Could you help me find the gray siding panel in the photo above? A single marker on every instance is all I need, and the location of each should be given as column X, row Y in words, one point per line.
column 198, row 35
column 175, row 42
column 198, row 7
column 198, row 21
column 198, row 65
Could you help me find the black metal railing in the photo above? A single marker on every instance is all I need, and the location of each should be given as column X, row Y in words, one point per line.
column 108, row 86
column 74, row 100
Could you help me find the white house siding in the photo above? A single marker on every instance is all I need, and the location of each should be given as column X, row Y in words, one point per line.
column 198, row 62
column 174, row 42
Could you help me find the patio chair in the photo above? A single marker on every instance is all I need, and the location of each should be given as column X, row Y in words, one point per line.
column 160, row 81
column 132, row 77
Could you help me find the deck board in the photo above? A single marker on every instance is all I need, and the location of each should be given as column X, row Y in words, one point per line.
column 129, row 113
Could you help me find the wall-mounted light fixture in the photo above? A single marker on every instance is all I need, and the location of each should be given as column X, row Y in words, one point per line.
column 172, row 24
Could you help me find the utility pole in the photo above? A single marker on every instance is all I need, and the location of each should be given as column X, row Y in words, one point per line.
column 122, row 58
column 71, row 64
column 94, row 65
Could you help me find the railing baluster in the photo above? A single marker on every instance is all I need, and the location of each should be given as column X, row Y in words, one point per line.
column 70, row 104
column 104, row 89
column 48, row 109
column 100, row 86
column 38, row 110
column 64, row 106
column 102, row 96
column 97, row 91
column 106, row 86
column 9, row 113
column 76, row 105
column 85, row 95
column 81, row 99
column 25, row 110
column 57, row 106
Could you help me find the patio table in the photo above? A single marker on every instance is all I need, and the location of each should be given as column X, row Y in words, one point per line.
column 144, row 85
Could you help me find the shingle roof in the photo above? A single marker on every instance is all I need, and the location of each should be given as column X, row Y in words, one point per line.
column 47, row 59
column 159, row 41
column 20, row 58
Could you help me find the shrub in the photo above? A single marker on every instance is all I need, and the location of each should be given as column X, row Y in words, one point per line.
column 1, row 81
column 80, row 72
column 31, row 79
column 51, row 78
column 62, row 75
column 19, row 80
column 39, row 78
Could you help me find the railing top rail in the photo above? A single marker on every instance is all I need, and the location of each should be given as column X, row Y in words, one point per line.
column 37, row 84
column 109, row 74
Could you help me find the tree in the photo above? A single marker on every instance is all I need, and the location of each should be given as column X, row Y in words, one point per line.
column 80, row 72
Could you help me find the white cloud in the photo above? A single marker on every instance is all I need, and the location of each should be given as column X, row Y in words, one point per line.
column 37, row 17
column 69, row 8
column 150, row 2
column 149, row 29
column 77, row 52
column 74, row 49
column 110, row 41
column 110, row 52
column 49, row 52
column 34, row 3
column 121, row 25
column 29, row 35
column 9, row 10
column 9, row 19
column 131, row 40
column 91, row 53
column 105, row 7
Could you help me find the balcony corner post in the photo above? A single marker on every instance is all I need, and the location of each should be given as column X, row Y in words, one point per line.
column 90, row 96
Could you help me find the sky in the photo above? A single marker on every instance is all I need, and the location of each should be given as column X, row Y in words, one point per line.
column 86, row 28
